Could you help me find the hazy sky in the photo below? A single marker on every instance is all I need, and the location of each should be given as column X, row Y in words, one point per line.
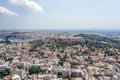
column 60, row 14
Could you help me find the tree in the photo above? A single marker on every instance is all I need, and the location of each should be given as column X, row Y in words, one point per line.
column 58, row 55
column 35, row 70
column 9, row 59
column 4, row 73
column 60, row 63
column 90, row 60
column 62, row 60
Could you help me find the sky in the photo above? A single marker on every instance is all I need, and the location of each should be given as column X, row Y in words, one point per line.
column 60, row 14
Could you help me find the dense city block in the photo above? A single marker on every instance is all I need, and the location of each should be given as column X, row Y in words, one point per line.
column 59, row 56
